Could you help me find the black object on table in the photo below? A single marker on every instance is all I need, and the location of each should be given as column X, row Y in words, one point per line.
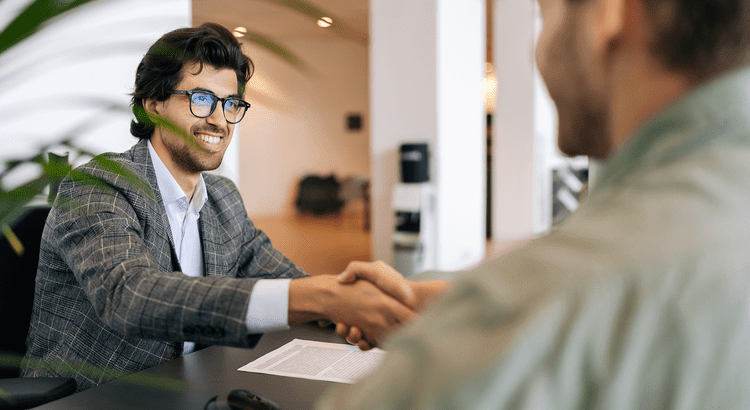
column 189, row 382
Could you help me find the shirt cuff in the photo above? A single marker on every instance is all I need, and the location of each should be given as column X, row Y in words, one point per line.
column 269, row 306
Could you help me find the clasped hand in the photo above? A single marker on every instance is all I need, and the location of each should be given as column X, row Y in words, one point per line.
column 413, row 296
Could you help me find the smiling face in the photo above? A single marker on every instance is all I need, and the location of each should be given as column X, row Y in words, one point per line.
column 569, row 70
column 206, row 139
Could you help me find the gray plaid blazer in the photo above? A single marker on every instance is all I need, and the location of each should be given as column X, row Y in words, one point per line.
column 110, row 298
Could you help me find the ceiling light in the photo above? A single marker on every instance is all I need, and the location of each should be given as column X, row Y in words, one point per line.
column 325, row 22
column 240, row 31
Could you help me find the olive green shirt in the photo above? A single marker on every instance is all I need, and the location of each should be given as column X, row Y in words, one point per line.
column 640, row 300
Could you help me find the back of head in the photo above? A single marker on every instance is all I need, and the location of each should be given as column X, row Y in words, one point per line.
column 700, row 38
column 161, row 69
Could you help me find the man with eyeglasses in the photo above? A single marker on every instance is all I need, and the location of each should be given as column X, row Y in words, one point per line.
column 144, row 255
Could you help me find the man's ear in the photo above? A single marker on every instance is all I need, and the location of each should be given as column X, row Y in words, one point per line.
column 151, row 106
column 610, row 23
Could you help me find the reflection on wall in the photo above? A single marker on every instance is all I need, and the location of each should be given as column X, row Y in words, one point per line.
column 298, row 122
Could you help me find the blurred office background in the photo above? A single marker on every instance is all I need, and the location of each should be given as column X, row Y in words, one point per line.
column 456, row 74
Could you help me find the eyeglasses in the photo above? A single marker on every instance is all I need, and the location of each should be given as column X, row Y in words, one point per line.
column 203, row 104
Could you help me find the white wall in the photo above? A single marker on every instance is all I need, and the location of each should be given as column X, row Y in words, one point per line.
column 297, row 124
column 72, row 70
column 427, row 68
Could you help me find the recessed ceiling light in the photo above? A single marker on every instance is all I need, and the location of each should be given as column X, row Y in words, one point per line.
column 325, row 22
column 240, row 31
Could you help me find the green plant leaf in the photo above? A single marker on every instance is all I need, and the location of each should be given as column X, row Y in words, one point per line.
column 13, row 240
column 159, row 121
column 277, row 49
column 136, row 181
column 12, row 202
column 95, row 372
column 32, row 18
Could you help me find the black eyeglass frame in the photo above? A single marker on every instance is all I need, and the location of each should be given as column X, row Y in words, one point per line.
column 242, row 104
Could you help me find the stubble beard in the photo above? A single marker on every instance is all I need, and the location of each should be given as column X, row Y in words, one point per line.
column 583, row 120
column 583, row 129
column 193, row 159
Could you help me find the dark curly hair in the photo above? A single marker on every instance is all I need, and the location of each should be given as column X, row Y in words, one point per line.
column 160, row 70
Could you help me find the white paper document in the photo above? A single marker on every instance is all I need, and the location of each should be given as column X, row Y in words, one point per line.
column 307, row 359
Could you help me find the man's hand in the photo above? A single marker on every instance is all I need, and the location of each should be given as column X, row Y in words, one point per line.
column 384, row 277
column 360, row 304
column 416, row 295
column 352, row 335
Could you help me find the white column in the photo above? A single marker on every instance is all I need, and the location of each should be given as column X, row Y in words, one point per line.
column 521, row 150
column 426, row 72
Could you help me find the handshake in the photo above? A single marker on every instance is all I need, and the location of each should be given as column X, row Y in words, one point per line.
column 368, row 301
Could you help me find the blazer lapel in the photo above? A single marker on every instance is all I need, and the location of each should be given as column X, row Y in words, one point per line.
column 211, row 240
column 142, row 157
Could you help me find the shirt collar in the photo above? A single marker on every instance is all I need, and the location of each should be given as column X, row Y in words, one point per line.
column 169, row 188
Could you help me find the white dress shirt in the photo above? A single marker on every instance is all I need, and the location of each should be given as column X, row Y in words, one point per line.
column 269, row 301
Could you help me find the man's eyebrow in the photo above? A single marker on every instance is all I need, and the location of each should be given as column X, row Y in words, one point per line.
column 206, row 90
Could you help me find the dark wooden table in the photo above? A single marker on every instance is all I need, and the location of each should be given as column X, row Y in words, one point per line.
column 189, row 382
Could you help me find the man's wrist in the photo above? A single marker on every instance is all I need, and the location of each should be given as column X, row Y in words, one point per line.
column 426, row 292
column 307, row 298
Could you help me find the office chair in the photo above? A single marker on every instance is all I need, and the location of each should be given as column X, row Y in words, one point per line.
column 17, row 279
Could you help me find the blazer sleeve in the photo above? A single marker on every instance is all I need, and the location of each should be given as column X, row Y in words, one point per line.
column 98, row 229
column 257, row 258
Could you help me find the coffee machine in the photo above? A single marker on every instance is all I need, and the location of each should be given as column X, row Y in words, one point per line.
column 413, row 249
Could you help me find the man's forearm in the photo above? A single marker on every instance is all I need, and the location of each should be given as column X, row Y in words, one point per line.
column 304, row 303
